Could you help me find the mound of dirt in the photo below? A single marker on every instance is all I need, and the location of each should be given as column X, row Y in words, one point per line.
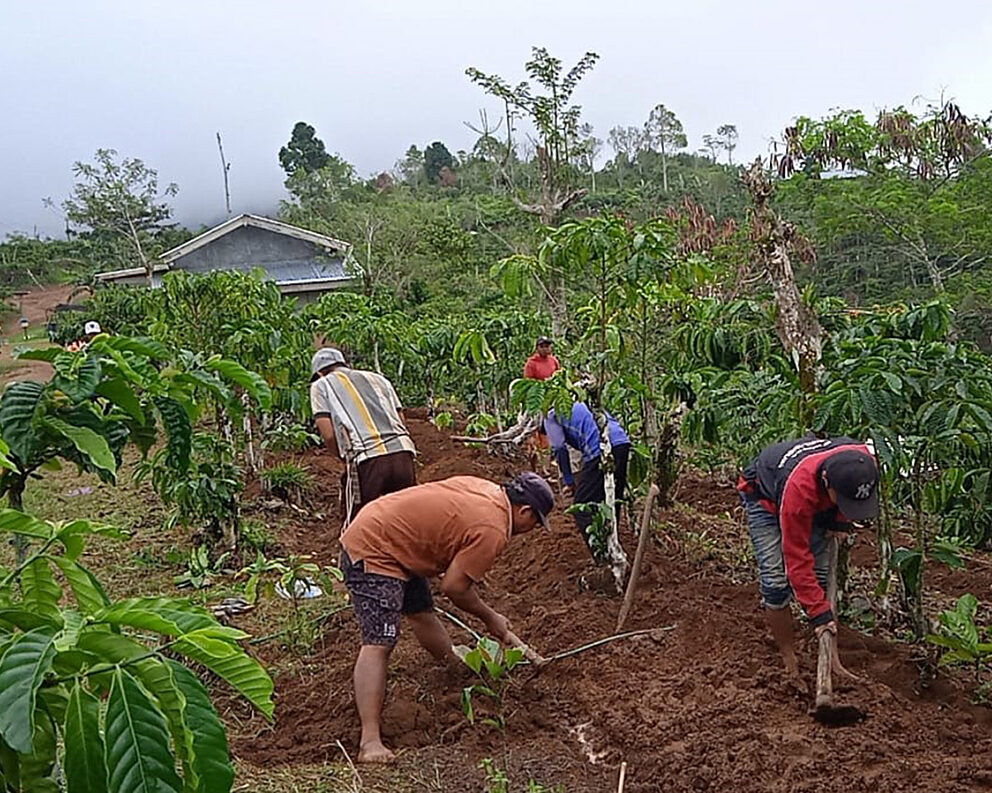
column 702, row 706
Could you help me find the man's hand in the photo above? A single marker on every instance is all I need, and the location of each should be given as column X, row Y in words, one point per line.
column 499, row 627
column 827, row 626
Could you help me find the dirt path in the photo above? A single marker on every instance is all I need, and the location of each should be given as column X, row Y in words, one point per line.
column 700, row 707
column 33, row 305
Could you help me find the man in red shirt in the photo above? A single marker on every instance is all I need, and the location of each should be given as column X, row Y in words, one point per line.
column 797, row 493
column 542, row 364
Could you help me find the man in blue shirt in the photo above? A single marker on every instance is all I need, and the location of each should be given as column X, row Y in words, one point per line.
column 581, row 432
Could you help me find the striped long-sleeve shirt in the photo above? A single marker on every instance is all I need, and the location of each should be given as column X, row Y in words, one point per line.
column 364, row 409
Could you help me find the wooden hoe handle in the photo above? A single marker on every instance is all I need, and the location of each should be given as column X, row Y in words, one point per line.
column 531, row 655
column 824, row 663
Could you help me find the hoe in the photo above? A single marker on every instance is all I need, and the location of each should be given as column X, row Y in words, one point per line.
column 825, row 710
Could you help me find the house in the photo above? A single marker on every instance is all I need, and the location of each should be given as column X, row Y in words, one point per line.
column 302, row 263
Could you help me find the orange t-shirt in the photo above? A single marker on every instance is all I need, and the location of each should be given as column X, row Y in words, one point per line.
column 419, row 531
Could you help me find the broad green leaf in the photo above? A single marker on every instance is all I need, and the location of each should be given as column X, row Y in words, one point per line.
column 169, row 616
column 86, row 589
column 139, row 345
column 46, row 354
column 252, row 382
column 88, row 443
column 211, row 760
column 22, row 669
column 40, row 592
column 85, row 768
column 78, row 385
column 158, row 679
column 117, row 391
column 27, row 620
column 18, row 406
column 16, row 522
column 38, row 767
column 137, row 741
column 110, row 648
column 5, row 461
column 229, row 661
column 179, row 432
column 72, row 624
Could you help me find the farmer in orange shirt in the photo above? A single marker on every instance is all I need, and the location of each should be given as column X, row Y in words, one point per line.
column 456, row 527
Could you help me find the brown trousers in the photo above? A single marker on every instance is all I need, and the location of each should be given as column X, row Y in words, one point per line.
column 380, row 475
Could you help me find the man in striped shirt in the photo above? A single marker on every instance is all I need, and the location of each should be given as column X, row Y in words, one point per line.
column 358, row 414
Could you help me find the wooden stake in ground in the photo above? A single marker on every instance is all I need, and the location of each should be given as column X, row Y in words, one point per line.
column 623, row 776
column 635, row 571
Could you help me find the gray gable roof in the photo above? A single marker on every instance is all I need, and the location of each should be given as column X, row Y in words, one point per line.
column 290, row 256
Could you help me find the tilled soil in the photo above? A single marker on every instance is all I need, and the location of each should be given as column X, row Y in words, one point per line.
column 701, row 706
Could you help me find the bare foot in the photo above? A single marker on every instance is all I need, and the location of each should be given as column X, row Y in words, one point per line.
column 375, row 752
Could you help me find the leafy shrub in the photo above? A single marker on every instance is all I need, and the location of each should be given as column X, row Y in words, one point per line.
column 961, row 638
column 288, row 481
column 96, row 682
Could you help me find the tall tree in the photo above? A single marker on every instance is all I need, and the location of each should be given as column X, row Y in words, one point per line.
column 557, row 122
column 664, row 131
column 436, row 157
column 626, row 142
column 727, row 133
column 305, row 151
column 123, row 199
column 556, row 119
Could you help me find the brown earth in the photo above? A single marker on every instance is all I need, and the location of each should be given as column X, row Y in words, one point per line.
column 33, row 306
column 699, row 707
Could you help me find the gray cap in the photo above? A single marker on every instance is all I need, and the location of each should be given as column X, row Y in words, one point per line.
column 535, row 492
column 324, row 357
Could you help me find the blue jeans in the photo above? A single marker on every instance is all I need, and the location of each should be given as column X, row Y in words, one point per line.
column 766, row 537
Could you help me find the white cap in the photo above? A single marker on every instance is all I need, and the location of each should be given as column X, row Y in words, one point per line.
column 324, row 357
column 92, row 327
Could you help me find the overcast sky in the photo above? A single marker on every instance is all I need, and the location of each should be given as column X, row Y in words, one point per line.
column 157, row 80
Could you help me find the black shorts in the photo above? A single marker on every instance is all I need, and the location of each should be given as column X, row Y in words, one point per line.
column 379, row 600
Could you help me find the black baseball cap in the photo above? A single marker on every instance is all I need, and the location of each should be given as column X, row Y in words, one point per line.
column 854, row 477
column 535, row 492
column 543, row 340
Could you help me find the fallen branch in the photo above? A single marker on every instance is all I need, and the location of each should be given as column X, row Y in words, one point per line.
column 526, row 426
column 635, row 571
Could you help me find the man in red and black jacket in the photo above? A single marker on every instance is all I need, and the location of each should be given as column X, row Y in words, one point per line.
column 796, row 494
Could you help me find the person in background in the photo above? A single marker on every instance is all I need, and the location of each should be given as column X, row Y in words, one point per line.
column 542, row 364
column 581, row 432
column 359, row 417
column 796, row 494
column 91, row 330
column 456, row 527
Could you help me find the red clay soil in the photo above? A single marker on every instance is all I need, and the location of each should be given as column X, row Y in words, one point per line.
column 700, row 707
column 34, row 306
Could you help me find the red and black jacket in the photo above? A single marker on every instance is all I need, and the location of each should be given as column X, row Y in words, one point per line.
column 785, row 479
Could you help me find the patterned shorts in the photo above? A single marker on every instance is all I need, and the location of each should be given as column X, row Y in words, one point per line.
column 379, row 600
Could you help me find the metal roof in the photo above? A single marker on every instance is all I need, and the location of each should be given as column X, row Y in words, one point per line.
column 259, row 222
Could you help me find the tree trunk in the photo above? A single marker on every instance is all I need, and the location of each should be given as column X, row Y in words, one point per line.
column 798, row 328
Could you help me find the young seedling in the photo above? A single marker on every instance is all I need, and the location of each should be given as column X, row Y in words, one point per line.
column 961, row 637
column 492, row 664
column 295, row 575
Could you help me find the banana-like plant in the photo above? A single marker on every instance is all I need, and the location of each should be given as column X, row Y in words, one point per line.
column 98, row 684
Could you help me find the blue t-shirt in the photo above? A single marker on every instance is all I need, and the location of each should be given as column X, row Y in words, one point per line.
column 580, row 431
